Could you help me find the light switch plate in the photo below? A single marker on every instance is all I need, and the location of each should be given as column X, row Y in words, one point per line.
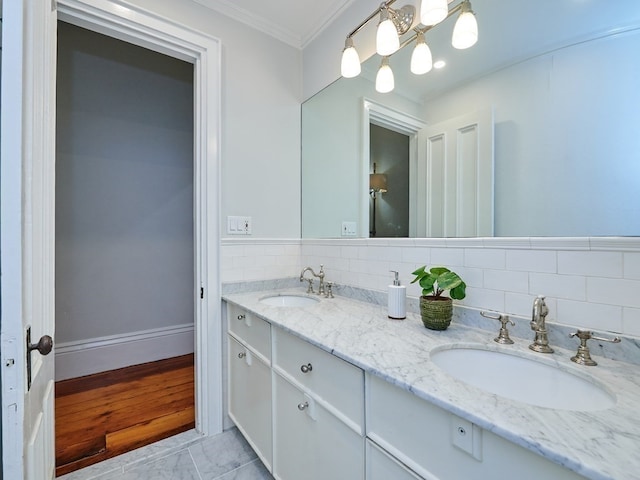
column 238, row 225
column 349, row 229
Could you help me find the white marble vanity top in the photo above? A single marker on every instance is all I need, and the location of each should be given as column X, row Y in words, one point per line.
column 602, row 444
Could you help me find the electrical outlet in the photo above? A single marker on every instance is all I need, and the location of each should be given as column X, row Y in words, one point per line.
column 349, row 229
column 466, row 436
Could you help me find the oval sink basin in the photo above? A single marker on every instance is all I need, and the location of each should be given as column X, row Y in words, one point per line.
column 523, row 379
column 288, row 300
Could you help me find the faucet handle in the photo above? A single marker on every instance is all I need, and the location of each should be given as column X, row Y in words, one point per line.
column 329, row 292
column 503, row 336
column 583, row 356
column 310, row 289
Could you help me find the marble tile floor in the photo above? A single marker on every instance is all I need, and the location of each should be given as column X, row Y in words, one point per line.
column 186, row 456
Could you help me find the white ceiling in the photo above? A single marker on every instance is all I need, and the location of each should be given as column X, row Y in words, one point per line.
column 295, row 22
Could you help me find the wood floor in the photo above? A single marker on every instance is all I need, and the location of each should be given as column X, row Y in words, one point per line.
column 103, row 415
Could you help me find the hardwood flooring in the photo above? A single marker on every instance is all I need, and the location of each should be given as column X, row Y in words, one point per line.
column 103, row 415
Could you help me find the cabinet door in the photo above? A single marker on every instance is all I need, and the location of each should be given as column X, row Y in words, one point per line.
column 382, row 466
column 311, row 443
column 250, row 398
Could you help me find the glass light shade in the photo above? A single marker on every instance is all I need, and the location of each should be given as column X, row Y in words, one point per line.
column 433, row 11
column 465, row 31
column 387, row 39
column 384, row 79
column 421, row 59
column 350, row 65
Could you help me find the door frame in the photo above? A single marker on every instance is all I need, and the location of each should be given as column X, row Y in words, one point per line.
column 135, row 25
column 141, row 27
column 400, row 122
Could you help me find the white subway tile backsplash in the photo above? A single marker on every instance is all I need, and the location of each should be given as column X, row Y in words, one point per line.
column 631, row 321
column 572, row 287
column 484, row 258
column 593, row 264
column 485, row 299
column 506, row 280
column 447, row 257
column 614, row 291
column 632, row 265
column 590, row 315
column 590, row 288
column 542, row 261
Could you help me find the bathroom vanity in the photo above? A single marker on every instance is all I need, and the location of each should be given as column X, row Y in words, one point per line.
column 331, row 388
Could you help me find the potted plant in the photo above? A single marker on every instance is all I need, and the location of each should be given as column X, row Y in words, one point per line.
column 435, row 309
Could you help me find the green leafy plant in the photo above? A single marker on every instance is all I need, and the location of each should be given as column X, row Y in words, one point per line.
column 437, row 280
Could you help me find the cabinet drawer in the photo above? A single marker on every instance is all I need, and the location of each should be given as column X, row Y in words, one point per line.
column 336, row 383
column 250, row 329
column 420, row 435
column 382, row 466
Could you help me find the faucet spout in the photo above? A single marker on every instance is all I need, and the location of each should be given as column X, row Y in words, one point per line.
column 538, row 325
column 320, row 275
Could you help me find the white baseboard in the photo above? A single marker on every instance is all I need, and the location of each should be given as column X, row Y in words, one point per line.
column 94, row 355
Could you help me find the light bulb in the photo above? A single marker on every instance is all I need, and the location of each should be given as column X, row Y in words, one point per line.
column 433, row 11
column 350, row 65
column 465, row 31
column 387, row 39
column 421, row 60
column 384, row 79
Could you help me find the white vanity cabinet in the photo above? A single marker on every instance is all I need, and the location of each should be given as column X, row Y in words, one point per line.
column 318, row 413
column 428, row 440
column 250, row 392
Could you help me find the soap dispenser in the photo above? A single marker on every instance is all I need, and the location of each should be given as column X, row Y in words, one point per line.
column 397, row 299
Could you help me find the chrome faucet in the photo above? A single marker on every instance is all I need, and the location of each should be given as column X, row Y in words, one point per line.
column 320, row 275
column 538, row 317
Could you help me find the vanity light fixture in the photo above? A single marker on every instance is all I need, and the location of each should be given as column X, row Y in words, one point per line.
column 384, row 79
column 433, row 12
column 394, row 23
column 421, row 60
column 465, row 31
column 350, row 65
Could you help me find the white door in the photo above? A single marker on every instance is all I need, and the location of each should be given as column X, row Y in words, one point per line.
column 456, row 159
column 26, row 237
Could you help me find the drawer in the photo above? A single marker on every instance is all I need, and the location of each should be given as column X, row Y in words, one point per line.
column 251, row 330
column 334, row 382
column 382, row 466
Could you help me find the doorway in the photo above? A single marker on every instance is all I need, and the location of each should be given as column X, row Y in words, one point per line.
column 124, row 215
column 388, row 182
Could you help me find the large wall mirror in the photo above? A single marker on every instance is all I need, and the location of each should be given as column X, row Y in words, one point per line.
column 558, row 82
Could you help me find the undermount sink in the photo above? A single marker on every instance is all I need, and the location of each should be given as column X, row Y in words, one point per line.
column 288, row 300
column 523, row 379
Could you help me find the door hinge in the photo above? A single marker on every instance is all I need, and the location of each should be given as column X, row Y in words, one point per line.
column 201, row 292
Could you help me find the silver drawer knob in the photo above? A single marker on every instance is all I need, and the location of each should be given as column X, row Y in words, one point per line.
column 303, row 406
column 242, row 355
column 306, row 368
column 241, row 317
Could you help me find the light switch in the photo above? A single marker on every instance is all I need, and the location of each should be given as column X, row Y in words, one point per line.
column 238, row 225
column 349, row 229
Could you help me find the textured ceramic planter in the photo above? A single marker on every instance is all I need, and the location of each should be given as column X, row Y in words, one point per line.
column 436, row 312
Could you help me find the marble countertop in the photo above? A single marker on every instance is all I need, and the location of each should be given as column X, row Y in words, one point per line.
column 599, row 445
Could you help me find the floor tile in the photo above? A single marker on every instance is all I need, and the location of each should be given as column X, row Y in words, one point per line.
column 178, row 466
column 253, row 471
column 216, row 456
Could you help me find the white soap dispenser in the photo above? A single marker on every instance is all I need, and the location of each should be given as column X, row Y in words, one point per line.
column 397, row 299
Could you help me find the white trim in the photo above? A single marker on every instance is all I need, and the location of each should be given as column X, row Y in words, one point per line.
column 225, row 242
column 93, row 355
column 122, row 20
column 392, row 119
column 289, row 36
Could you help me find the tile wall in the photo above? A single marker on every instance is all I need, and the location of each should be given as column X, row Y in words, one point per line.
column 589, row 282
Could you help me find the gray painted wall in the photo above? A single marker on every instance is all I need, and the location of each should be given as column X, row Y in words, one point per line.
column 124, row 188
column 390, row 152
